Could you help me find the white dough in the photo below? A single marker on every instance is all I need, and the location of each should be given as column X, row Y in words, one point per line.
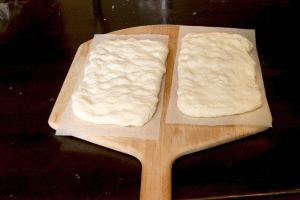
column 216, row 75
column 121, row 82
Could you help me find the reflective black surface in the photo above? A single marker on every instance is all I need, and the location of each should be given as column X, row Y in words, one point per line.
column 38, row 41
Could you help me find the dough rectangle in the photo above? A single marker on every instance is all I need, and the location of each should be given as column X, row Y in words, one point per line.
column 216, row 75
column 260, row 116
column 121, row 82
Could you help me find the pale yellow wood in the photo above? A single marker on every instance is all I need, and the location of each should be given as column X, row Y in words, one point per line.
column 68, row 85
column 156, row 156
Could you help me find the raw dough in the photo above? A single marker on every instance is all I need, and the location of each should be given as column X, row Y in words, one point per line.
column 216, row 75
column 121, row 82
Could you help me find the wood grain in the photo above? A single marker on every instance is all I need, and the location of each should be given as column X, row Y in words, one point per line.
column 156, row 156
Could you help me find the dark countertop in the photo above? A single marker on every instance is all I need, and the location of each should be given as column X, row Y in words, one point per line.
column 38, row 41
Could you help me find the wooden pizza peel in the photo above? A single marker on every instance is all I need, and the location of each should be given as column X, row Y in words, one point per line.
column 175, row 140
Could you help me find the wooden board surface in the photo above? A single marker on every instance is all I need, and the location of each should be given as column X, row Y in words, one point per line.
column 156, row 156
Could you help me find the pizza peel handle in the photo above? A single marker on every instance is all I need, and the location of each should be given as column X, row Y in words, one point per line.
column 175, row 140
column 156, row 173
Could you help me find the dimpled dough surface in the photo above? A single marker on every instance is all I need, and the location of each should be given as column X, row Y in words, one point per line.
column 121, row 82
column 216, row 75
